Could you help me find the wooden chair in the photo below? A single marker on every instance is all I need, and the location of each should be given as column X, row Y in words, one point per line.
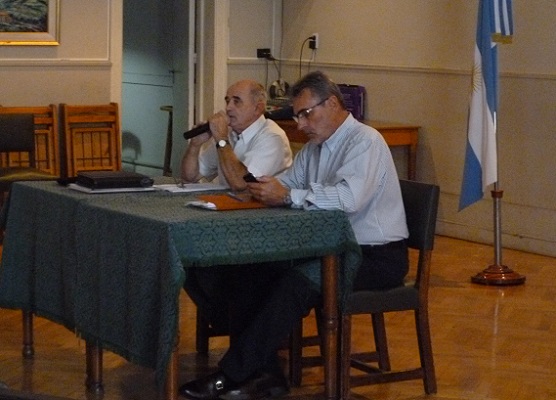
column 46, row 139
column 28, row 145
column 297, row 361
column 421, row 204
column 92, row 138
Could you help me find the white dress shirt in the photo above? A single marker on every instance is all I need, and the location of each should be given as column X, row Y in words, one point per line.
column 263, row 148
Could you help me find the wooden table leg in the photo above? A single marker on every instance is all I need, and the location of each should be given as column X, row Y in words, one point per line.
column 28, row 348
column 330, row 311
column 93, row 356
column 171, row 389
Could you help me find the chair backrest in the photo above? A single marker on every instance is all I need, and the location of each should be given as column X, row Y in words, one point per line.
column 17, row 133
column 421, row 207
column 92, row 137
column 45, row 148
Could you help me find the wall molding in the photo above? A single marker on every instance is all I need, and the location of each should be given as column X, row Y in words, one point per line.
column 56, row 63
column 390, row 68
column 486, row 236
column 477, row 224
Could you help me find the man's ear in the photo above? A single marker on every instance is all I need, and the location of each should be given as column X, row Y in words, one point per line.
column 260, row 107
column 333, row 101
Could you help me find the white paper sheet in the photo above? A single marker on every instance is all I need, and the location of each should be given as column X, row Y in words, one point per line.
column 202, row 204
column 190, row 187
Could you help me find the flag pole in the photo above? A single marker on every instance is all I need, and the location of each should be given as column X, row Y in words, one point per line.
column 498, row 273
column 481, row 158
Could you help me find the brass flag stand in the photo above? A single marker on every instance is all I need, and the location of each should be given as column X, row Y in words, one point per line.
column 498, row 274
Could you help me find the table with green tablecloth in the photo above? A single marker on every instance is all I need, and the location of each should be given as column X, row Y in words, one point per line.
column 111, row 266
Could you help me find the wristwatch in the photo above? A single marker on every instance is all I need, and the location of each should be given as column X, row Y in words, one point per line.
column 287, row 199
column 222, row 143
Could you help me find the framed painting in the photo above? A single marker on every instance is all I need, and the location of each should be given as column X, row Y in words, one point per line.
column 29, row 22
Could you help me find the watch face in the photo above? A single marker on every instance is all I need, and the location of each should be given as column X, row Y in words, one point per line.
column 222, row 143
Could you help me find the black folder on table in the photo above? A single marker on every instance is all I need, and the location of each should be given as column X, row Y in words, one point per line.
column 113, row 179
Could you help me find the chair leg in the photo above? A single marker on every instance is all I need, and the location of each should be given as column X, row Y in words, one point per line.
column 297, row 342
column 381, row 342
column 425, row 351
column 296, row 354
column 319, row 318
column 345, row 356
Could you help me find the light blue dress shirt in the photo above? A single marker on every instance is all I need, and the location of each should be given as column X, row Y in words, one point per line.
column 352, row 171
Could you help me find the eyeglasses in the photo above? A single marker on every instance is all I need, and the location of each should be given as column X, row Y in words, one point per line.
column 307, row 111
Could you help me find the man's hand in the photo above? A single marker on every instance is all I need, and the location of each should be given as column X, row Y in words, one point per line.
column 219, row 126
column 268, row 190
column 198, row 140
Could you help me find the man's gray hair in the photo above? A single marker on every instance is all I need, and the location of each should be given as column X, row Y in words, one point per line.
column 320, row 85
column 259, row 93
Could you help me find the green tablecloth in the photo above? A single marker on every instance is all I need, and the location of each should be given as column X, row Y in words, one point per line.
column 111, row 266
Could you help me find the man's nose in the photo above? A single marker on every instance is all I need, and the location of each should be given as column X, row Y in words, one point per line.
column 301, row 122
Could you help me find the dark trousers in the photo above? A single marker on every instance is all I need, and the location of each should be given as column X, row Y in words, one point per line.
column 382, row 267
column 261, row 303
column 262, row 319
column 258, row 305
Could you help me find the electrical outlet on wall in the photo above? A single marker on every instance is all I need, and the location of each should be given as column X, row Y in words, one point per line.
column 314, row 41
column 263, row 53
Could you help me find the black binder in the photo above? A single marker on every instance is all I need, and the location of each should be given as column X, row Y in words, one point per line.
column 113, row 179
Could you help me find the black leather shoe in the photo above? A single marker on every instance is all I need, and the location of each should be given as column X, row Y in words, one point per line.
column 207, row 388
column 262, row 386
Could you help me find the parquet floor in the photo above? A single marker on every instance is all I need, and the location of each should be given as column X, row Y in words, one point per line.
column 489, row 342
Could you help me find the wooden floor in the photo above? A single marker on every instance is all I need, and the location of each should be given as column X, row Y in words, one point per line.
column 489, row 342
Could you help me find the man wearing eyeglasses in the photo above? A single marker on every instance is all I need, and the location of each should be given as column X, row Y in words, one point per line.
column 346, row 165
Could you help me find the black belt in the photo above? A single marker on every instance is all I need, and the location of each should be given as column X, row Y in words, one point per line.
column 390, row 245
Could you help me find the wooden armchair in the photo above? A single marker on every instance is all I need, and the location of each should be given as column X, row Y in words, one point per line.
column 92, row 137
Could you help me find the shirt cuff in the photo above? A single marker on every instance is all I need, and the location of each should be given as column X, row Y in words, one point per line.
column 298, row 197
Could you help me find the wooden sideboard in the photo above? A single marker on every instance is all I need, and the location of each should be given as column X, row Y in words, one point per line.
column 395, row 134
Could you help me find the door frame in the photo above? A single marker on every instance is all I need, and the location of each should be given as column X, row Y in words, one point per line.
column 211, row 75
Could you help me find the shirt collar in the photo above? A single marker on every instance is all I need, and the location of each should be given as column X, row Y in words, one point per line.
column 340, row 134
column 251, row 130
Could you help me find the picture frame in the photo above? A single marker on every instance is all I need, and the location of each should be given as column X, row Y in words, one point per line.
column 29, row 23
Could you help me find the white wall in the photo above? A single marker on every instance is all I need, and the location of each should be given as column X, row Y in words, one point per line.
column 82, row 69
column 415, row 57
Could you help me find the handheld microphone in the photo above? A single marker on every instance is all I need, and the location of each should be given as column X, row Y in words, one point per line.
column 282, row 113
column 197, row 131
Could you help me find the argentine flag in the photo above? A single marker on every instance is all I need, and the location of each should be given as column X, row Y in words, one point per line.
column 481, row 170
